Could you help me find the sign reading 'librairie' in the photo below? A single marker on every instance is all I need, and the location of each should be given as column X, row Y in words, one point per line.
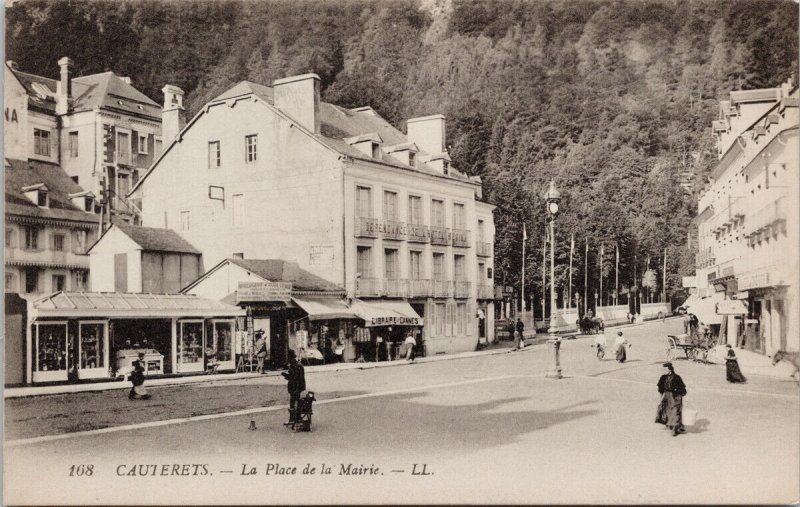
column 264, row 291
column 395, row 321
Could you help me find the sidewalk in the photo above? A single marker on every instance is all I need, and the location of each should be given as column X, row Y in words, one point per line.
column 752, row 363
column 18, row 392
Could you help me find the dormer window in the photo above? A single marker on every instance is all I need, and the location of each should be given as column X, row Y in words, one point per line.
column 376, row 151
column 84, row 200
column 38, row 195
column 412, row 159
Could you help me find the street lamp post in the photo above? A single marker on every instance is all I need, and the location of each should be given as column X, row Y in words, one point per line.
column 553, row 197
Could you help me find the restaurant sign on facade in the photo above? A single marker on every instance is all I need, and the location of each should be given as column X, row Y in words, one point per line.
column 263, row 291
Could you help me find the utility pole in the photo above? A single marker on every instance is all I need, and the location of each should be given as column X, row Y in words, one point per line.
column 571, row 249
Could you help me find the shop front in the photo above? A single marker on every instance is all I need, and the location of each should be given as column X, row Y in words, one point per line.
column 381, row 329
column 76, row 335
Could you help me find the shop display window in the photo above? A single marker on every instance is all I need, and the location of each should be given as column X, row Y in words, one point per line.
column 51, row 347
column 222, row 340
column 191, row 342
column 92, row 339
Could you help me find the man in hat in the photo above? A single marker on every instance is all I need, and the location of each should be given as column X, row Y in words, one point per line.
column 296, row 376
column 261, row 350
column 672, row 390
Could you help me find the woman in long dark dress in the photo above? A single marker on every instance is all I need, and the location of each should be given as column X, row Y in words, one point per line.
column 732, row 371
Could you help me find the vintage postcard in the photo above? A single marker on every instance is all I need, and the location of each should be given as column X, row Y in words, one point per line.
column 401, row 252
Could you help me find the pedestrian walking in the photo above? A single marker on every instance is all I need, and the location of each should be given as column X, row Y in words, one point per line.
column 600, row 343
column 261, row 350
column 296, row 376
column 410, row 343
column 138, row 392
column 670, row 409
column 620, row 344
column 732, row 371
column 520, row 335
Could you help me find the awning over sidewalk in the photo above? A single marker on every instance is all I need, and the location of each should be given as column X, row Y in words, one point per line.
column 705, row 309
column 128, row 305
column 325, row 308
column 386, row 313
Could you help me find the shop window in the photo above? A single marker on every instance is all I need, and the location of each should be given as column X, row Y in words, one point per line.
column 190, row 345
column 92, row 340
column 220, row 343
column 51, row 347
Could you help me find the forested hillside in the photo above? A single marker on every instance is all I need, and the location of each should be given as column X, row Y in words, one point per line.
column 613, row 99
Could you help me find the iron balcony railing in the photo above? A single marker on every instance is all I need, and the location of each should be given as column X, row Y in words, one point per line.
column 440, row 235
column 417, row 233
column 368, row 287
column 461, row 289
column 393, row 229
column 367, row 227
column 395, row 287
column 461, row 237
column 441, row 288
column 420, row 288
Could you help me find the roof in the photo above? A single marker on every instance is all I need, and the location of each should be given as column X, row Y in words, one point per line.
column 20, row 174
column 278, row 270
column 246, row 88
column 111, row 304
column 106, row 90
column 152, row 239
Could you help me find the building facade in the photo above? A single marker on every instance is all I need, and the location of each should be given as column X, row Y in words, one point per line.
column 273, row 172
column 102, row 131
column 748, row 228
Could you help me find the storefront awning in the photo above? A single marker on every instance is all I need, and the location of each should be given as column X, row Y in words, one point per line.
column 386, row 313
column 325, row 308
column 120, row 305
column 705, row 309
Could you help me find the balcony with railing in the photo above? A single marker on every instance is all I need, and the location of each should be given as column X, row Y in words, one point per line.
column 368, row 287
column 765, row 218
column 440, row 235
column 395, row 287
column 441, row 288
column 367, row 227
column 483, row 249
column 462, row 289
column 417, row 233
column 420, row 288
column 461, row 237
column 485, row 291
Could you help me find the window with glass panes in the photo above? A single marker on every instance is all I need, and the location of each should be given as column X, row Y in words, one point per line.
column 364, row 261
column 41, row 142
column 251, row 144
column 459, row 216
column 415, row 264
column 458, row 267
column 123, row 147
column 59, row 282
column 214, row 155
column 363, row 202
column 73, row 144
column 438, row 266
column 437, row 213
column 389, row 205
column 390, row 267
column 31, row 238
column 414, row 209
column 58, row 242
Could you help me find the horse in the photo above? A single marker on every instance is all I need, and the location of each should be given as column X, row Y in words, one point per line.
column 792, row 358
column 589, row 325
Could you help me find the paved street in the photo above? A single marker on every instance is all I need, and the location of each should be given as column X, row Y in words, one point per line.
column 486, row 429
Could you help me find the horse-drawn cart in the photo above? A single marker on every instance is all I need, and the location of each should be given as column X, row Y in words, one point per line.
column 691, row 347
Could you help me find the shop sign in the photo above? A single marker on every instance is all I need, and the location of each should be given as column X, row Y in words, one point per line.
column 731, row 307
column 320, row 255
column 395, row 321
column 264, row 291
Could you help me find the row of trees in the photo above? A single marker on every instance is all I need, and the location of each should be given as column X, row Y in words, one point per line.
column 612, row 99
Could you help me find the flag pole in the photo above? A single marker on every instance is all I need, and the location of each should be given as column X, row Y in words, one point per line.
column 522, row 283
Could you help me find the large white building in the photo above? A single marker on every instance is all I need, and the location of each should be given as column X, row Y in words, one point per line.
column 748, row 221
column 273, row 172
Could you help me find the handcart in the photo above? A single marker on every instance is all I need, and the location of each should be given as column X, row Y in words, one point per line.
column 300, row 420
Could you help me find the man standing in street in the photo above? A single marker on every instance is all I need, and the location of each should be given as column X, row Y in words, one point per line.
column 519, row 342
column 296, row 376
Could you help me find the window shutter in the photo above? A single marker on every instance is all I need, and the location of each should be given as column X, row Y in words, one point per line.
column 52, row 241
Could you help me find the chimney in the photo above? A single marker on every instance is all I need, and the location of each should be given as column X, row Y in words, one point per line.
column 427, row 133
column 298, row 96
column 173, row 116
column 64, row 93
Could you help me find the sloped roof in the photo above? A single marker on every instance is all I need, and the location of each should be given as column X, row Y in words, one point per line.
column 246, row 88
column 278, row 270
column 106, row 90
column 19, row 174
column 118, row 304
column 152, row 239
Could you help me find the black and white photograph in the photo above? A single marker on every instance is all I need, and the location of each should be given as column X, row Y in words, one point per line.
column 276, row 252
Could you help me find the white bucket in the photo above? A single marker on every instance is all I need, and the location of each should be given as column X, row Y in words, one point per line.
column 689, row 416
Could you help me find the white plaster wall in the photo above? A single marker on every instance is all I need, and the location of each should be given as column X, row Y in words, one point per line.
column 222, row 282
column 90, row 149
column 292, row 193
column 101, row 268
column 15, row 103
